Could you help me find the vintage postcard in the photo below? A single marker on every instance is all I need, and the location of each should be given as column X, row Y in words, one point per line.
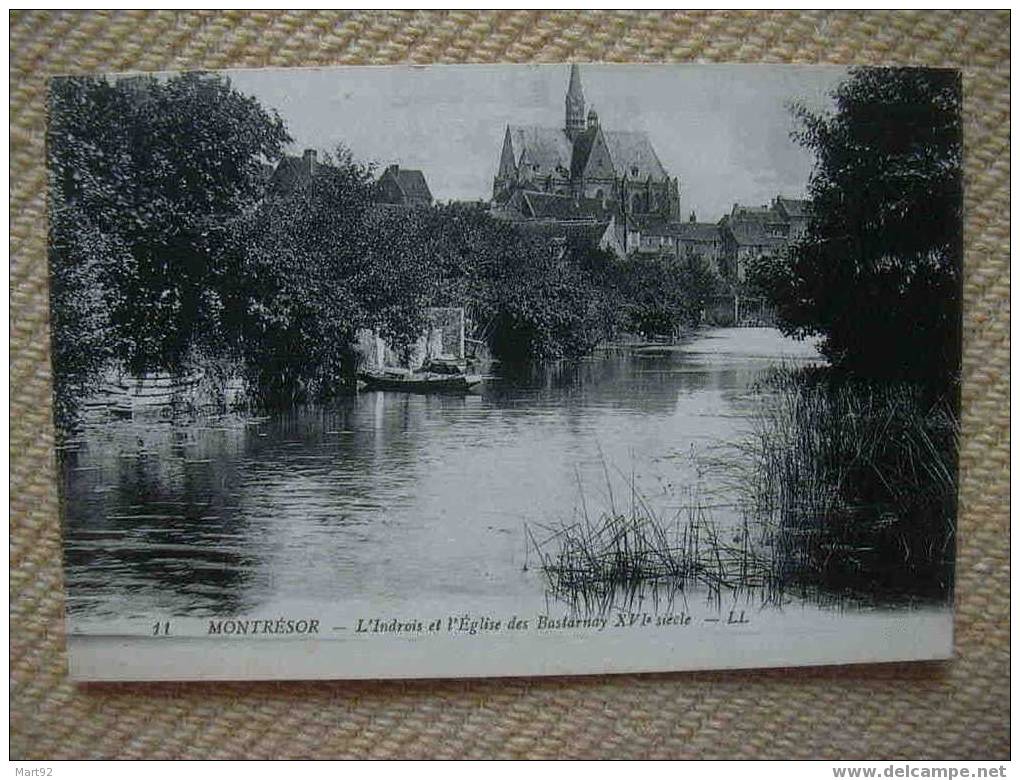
column 505, row 370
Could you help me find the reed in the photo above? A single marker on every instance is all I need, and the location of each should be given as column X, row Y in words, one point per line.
column 845, row 493
column 856, row 485
column 620, row 556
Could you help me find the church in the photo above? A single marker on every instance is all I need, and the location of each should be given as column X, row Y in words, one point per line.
column 619, row 170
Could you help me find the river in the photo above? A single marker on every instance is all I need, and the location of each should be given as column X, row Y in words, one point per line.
column 391, row 496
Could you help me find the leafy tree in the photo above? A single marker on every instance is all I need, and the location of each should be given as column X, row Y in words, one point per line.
column 297, row 283
column 698, row 284
column 661, row 292
column 878, row 273
column 528, row 298
column 145, row 176
column 550, row 301
column 85, row 170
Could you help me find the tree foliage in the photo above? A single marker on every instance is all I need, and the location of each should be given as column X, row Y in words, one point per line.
column 143, row 174
column 168, row 251
column 660, row 293
column 878, row 273
column 296, row 283
column 528, row 298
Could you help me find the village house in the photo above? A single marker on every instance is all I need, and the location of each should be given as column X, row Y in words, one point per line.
column 395, row 187
column 680, row 239
column 559, row 233
column 701, row 239
column 403, row 187
column 796, row 213
column 291, row 172
column 748, row 232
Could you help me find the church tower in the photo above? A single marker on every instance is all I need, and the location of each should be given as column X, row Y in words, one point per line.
column 575, row 105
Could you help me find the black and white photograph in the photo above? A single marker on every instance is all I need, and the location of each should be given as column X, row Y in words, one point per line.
column 483, row 370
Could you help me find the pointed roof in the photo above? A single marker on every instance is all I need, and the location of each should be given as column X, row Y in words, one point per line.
column 549, row 206
column 794, row 207
column 547, row 147
column 592, row 231
column 574, row 89
column 582, row 151
column 699, row 231
column 411, row 182
column 633, row 155
column 291, row 172
column 752, row 233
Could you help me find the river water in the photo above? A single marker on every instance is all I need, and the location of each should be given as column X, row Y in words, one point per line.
column 392, row 496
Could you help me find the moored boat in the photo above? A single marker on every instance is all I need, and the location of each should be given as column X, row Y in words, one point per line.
column 418, row 381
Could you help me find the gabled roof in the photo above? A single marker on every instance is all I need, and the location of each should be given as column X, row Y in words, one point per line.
column 699, row 231
column 290, row 172
column 748, row 213
column 582, row 150
column 595, row 208
column 547, row 147
column 550, row 206
column 411, row 182
column 794, row 208
column 632, row 155
column 752, row 233
column 655, row 226
column 551, row 228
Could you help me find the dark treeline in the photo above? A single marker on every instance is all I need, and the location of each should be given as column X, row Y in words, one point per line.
column 168, row 252
column 878, row 275
column 856, row 468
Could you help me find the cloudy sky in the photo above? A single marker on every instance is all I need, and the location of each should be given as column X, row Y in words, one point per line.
column 723, row 129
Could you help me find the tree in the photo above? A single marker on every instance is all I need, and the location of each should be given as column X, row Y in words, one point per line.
column 85, row 171
column 878, row 273
column 662, row 292
column 146, row 177
column 298, row 284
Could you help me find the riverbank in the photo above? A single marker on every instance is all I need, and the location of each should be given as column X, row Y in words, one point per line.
column 846, row 493
column 409, row 495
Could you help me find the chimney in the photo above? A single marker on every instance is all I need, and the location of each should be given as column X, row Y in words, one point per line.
column 310, row 158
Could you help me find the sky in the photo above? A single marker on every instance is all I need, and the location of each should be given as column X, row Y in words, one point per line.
column 723, row 129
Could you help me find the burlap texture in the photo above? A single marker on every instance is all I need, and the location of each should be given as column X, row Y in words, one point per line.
column 955, row 710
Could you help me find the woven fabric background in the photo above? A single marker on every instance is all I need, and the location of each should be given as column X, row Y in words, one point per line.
column 955, row 710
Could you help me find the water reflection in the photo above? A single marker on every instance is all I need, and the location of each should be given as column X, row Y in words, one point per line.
column 388, row 495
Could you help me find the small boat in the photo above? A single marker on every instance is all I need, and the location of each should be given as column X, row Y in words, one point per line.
column 418, row 381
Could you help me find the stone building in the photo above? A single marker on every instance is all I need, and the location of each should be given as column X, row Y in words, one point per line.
column 584, row 161
column 702, row 239
column 291, row 172
column 748, row 232
column 796, row 213
column 403, row 187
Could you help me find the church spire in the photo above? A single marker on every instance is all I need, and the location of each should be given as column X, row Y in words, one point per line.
column 575, row 105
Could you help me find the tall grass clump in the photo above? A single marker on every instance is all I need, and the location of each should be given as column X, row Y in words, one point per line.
column 854, row 484
column 620, row 556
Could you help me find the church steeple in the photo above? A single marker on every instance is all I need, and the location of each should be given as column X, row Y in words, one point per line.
column 575, row 105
